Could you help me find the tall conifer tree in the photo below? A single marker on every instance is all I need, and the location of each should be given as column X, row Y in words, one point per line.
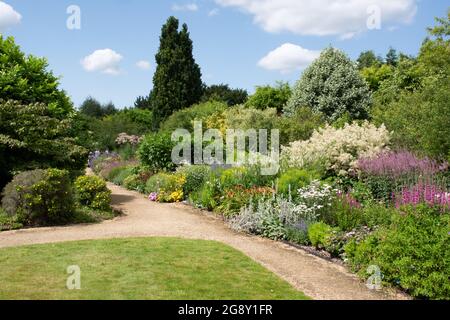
column 177, row 81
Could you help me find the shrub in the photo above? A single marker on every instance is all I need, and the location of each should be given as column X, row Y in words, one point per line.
column 412, row 253
column 237, row 197
column 420, row 120
column 332, row 85
column 155, row 152
column 168, row 187
column 184, row 119
column 293, row 179
column 39, row 197
column 93, row 192
column 298, row 126
column 389, row 172
column 262, row 219
column 33, row 138
column 134, row 182
column 337, row 149
column 319, row 235
column 119, row 174
column 267, row 97
column 195, row 177
column 208, row 195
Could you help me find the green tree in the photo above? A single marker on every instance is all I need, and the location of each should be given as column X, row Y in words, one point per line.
column 177, row 81
column 223, row 93
column 31, row 137
column 368, row 59
column 376, row 74
column 268, row 97
column 26, row 79
column 92, row 108
column 143, row 103
column 392, row 57
column 333, row 86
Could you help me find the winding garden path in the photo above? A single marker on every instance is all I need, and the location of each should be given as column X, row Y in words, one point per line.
column 316, row 277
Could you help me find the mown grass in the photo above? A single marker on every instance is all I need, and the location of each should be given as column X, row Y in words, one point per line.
column 145, row 268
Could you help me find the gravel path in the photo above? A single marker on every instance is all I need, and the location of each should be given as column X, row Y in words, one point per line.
column 316, row 277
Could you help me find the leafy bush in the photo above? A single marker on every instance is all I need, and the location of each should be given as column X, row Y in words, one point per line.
column 39, row 197
column 155, row 152
column 332, row 85
column 184, row 119
column 298, row 126
column 32, row 138
column 167, row 187
column 337, row 149
column 237, row 197
column 389, row 172
column 208, row 196
column 118, row 174
column 319, row 235
column 412, row 253
column 268, row 97
column 293, row 179
column 93, row 192
column 132, row 121
column 195, row 177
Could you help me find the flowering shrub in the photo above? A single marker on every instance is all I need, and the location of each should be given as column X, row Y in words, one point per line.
column 423, row 193
column 398, row 164
column 338, row 150
column 164, row 187
column 391, row 172
column 124, row 138
column 237, row 197
column 195, row 177
column 93, row 192
column 39, row 197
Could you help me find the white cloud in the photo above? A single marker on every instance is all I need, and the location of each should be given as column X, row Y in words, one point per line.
column 213, row 12
column 185, row 7
column 144, row 65
column 344, row 18
column 287, row 58
column 8, row 16
column 105, row 61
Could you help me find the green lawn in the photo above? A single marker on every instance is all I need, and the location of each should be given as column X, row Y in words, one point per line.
column 147, row 268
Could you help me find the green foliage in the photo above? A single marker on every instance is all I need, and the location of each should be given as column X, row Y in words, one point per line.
column 268, row 97
column 208, row 197
column 31, row 138
column 143, row 103
column 155, row 152
column 92, row 108
column 319, row 234
column 177, row 81
column 224, row 93
column 119, row 174
column 184, row 119
column 392, row 57
column 368, row 59
column 92, row 192
column 296, row 236
column 26, row 79
column 195, row 176
column 331, row 85
column 299, row 126
column 420, row 120
column 132, row 121
column 168, row 187
column 411, row 253
column 272, row 227
column 243, row 118
column 376, row 74
column 294, row 179
column 39, row 197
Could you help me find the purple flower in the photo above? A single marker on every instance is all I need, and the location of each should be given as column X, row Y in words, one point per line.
column 153, row 196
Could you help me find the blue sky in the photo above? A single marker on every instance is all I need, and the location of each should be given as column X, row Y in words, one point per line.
column 243, row 43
